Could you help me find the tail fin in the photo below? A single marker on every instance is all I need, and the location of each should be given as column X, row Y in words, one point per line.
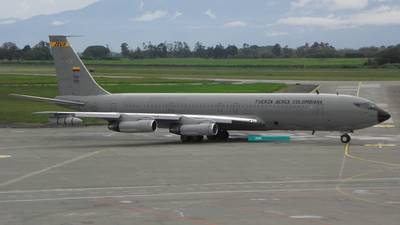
column 72, row 76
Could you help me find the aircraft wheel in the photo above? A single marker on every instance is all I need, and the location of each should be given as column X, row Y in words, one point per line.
column 345, row 138
column 223, row 135
column 212, row 137
column 197, row 138
column 185, row 138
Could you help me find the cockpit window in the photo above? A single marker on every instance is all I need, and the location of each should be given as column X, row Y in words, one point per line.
column 366, row 105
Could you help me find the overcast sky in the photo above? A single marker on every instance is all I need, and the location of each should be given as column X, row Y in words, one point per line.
column 342, row 23
column 342, row 13
column 24, row 9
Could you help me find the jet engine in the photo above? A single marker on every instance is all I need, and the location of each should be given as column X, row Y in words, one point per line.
column 195, row 129
column 65, row 120
column 139, row 126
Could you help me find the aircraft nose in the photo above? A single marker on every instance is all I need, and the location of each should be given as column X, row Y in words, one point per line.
column 383, row 115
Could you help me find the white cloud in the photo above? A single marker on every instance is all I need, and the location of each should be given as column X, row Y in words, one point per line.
column 148, row 16
column 58, row 23
column 272, row 3
column 23, row 7
column 330, row 4
column 141, row 6
column 209, row 13
column 8, row 22
column 379, row 16
column 275, row 33
column 177, row 14
column 236, row 24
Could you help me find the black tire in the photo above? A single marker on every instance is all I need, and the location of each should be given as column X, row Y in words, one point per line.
column 197, row 138
column 185, row 138
column 212, row 137
column 345, row 138
column 223, row 135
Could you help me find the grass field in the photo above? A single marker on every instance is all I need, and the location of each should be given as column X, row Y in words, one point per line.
column 278, row 63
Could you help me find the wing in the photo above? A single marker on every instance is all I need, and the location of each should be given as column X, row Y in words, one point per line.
column 165, row 120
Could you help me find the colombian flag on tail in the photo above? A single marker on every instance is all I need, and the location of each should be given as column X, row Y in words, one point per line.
column 76, row 69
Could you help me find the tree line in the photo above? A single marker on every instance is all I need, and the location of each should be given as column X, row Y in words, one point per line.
column 376, row 55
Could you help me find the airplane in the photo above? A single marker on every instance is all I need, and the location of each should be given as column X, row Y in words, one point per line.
column 193, row 116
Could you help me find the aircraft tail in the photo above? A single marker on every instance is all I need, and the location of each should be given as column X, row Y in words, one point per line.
column 72, row 76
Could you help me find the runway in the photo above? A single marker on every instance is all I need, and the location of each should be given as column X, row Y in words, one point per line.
column 89, row 175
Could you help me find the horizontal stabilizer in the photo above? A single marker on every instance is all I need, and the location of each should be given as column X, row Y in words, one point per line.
column 47, row 100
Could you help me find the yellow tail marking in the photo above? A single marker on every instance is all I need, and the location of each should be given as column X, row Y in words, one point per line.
column 59, row 44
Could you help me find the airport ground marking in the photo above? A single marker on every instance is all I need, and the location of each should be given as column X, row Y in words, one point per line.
column 380, row 125
column 52, row 167
column 364, row 174
column 274, row 214
column 4, row 156
column 358, row 90
column 380, row 145
column 144, row 210
column 315, row 89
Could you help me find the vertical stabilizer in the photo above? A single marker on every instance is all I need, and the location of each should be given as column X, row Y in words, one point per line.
column 72, row 76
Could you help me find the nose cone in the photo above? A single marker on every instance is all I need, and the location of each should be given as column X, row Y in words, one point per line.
column 383, row 115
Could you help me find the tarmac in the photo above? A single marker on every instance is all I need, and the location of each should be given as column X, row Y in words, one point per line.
column 90, row 175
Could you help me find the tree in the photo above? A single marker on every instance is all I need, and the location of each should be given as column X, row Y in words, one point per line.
column 287, row 52
column 125, row 50
column 9, row 51
column 137, row 54
column 231, row 50
column 162, row 50
column 219, row 52
column 199, row 50
column 96, row 52
column 276, row 50
column 245, row 49
column 45, row 48
column 186, row 50
column 390, row 55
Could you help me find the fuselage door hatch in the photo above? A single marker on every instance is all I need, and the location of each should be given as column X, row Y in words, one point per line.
column 113, row 107
column 235, row 107
column 320, row 110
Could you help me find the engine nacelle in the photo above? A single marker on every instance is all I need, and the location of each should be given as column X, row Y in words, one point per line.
column 139, row 126
column 65, row 120
column 195, row 129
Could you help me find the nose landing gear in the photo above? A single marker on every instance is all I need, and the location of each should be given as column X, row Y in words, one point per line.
column 345, row 138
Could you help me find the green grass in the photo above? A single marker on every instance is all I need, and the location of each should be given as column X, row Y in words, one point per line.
column 295, row 63
column 43, row 80
column 10, row 75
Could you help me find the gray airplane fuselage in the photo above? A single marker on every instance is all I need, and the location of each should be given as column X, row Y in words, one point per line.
column 273, row 111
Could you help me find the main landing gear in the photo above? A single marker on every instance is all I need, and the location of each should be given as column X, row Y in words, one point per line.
column 345, row 138
column 185, row 138
column 221, row 135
